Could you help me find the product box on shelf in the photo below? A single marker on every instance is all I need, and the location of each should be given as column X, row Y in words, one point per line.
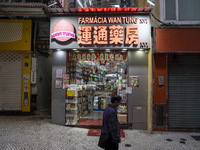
column 72, row 105
column 122, row 118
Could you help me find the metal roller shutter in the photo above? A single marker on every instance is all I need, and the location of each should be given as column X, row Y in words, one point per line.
column 184, row 91
column 10, row 80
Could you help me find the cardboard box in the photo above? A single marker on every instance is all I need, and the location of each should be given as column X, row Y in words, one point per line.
column 122, row 118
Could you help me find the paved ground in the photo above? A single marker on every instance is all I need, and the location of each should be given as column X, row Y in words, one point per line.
column 38, row 133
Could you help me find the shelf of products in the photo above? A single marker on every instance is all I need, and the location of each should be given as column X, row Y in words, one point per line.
column 95, row 81
column 102, row 80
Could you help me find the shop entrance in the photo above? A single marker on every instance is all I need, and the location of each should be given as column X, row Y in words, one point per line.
column 93, row 79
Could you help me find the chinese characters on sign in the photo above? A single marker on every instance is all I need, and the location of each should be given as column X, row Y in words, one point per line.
column 108, row 35
column 132, row 35
column 123, row 31
column 100, row 35
column 85, row 35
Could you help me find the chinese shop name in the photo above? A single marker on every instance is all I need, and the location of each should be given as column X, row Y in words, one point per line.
column 108, row 35
column 100, row 31
column 114, row 34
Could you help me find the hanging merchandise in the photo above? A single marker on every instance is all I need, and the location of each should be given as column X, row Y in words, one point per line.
column 65, row 80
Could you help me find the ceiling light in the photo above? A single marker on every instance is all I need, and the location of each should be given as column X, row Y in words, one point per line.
column 141, row 49
column 91, row 49
column 124, row 49
column 54, row 3
column 74, row 49
column 151, row 2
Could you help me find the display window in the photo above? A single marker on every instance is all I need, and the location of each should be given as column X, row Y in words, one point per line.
column 93, row 79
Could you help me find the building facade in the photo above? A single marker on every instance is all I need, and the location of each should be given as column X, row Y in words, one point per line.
column 176, row 66
column 96, row 56
column 15, row 74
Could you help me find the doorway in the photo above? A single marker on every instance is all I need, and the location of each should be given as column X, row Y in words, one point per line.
column 93, row 79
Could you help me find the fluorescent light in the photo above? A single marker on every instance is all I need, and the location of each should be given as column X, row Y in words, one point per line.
column 91, row 49
column 107, row 49
column 124, row 49
column 151, row 2
column 74, row 49
column 52, row 4
column 60, row 54
column 80, row 3
column 141, row 49
column 115, row 5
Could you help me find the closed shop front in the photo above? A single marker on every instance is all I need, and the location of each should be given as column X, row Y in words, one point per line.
column 15, row 65
column 10, row 80
column 183, row 91
column 176, row 79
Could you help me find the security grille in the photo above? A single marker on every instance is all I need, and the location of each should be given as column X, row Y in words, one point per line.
column 184, row 91
column 10, row 32
column 10, row 80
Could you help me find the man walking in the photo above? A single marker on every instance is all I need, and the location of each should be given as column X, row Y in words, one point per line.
column 110, row 133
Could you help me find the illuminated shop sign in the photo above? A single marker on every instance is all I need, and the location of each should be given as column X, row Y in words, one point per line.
column 62, row 31
column 114, row 34
column 100, row 32
column 98, row 57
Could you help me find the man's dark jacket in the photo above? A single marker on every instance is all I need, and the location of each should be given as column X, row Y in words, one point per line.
column 111, row 124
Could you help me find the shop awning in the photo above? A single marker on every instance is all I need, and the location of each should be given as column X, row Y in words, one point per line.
column 29, row 10
column 26, row 10
column 102, row 10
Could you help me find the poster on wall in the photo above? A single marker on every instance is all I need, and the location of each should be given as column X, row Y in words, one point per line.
column 58, row 83
column 59, row 73
column 134, row 82
column 128, row 90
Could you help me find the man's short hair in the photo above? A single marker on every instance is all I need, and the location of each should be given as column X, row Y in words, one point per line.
column 116, row 98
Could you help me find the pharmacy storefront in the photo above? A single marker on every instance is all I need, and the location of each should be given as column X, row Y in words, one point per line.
column 96, row 56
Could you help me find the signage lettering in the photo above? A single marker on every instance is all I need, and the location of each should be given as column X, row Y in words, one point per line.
column 85, row 35
column 123, row 31
column 63, row 34
column 108, row 20
column 98, row 57
column 100, row 35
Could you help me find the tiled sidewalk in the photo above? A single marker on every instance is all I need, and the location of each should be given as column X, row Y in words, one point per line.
column 38, row 133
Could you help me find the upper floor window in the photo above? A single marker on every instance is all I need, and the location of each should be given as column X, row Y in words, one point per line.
column 180, row 11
